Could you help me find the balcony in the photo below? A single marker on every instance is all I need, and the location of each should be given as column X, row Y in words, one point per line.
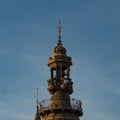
column 44, row 105
column 75, row 104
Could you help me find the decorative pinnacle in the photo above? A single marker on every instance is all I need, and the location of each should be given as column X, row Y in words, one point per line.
column 37, row 101
column 59, row 31
column 37, row 116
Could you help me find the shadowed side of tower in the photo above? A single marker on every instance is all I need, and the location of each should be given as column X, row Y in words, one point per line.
column 60, row 106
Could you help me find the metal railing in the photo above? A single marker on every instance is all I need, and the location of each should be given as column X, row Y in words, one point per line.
column 75, row 104
column 44, row 104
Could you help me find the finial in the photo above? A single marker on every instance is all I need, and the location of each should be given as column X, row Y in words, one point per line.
column 59, row 31
column 37, row 93
column 59, row 28
column 37, row 116
column 37, row 101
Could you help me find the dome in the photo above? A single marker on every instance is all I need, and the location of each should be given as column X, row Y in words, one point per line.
column 59, row 50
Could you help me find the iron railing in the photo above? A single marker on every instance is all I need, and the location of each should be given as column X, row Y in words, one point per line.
column 75, row 104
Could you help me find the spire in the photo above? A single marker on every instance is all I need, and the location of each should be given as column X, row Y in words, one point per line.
column 37, row 116
column 59, row 35
column 37, row 104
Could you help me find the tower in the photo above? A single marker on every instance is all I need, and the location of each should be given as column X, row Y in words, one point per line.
column 60, row 106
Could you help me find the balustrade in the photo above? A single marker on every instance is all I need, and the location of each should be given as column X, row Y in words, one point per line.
column 75, row 104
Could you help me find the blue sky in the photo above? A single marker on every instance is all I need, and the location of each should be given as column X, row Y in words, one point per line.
column 91, row 35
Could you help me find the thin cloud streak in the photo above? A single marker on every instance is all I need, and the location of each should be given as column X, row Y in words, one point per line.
column 8, row 108
column 3, row 51
column 28, row 36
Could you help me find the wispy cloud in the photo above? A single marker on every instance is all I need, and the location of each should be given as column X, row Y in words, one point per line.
column 31, row 58
column 36, row 62
column 117, row 90
column 8, row 108
column 12, row 114
column 96, row 88
column 3, row 51
column 1, row 30
column 92, row 111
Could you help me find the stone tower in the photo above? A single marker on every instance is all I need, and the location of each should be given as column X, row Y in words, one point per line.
column 60, row 106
